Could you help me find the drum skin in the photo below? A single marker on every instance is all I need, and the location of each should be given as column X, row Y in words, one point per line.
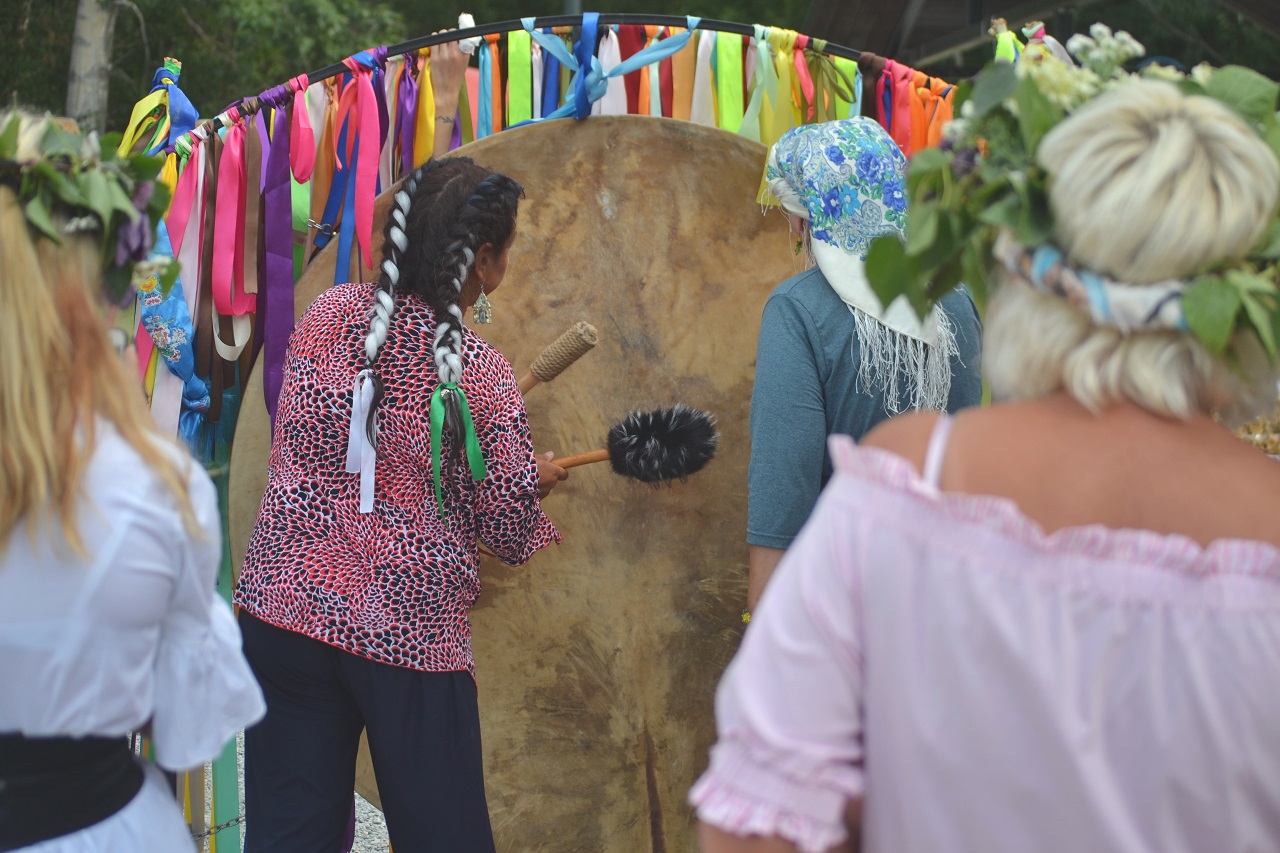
column 597, row 661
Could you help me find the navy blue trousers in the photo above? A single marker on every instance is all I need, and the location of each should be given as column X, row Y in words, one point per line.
column 300, row 760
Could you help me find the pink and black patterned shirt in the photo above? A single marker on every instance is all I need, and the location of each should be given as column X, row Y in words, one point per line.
column 393, row 585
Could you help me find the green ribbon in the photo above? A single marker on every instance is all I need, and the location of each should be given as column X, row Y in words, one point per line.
column 475, row 457
column 728, row 81
column 519, row 77
column 833, row 90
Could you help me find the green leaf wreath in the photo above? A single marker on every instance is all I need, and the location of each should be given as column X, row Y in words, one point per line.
column 984, row 178
column 83, row 176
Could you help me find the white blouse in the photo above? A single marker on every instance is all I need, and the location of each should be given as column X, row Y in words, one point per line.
column 133, row 632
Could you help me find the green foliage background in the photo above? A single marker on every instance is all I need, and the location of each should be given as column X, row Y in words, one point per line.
column 233, row 48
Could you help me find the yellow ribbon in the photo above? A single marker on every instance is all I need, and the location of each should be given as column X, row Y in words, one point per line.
column 424, row 136
column 146, row 114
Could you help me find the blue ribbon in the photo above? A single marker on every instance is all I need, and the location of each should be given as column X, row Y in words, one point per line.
column 182, row 113
column 585, row 52
column 167, row 320
column 550, row 70
column 591, row 86
column 484, row 121
column 333, row 205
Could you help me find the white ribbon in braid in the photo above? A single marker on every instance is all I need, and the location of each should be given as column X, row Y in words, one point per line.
column 362, row 457
column 447, row 345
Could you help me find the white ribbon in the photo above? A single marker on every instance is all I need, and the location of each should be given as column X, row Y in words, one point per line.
column 614, row 102
column 655, row 82
column 535, row 57
column 468, row 46
column 362, row 457
column 704, row 110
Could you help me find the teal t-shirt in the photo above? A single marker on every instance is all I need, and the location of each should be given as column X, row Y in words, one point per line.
column 806, row 389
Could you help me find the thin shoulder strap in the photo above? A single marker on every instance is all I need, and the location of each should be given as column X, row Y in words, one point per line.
column 937, row 452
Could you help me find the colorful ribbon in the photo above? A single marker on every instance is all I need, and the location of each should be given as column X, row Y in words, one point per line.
column 484, row 111
column 168, row 323
column 276, row 313
column 519, row 77
column 302, row 140
column 165, row 112
column 551, row 69
column 475, row 458
column 614, row 100
column 424, row 136
column 406, row 113
column 362, row 456
column 728, row 78
column 229, row 296
column 362, row 116
column 590, row 81
column 702, row 110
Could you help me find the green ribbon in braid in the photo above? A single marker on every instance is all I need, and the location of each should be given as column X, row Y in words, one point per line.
column 475, row 457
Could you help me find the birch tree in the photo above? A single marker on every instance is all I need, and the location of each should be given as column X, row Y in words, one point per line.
column 89, row 79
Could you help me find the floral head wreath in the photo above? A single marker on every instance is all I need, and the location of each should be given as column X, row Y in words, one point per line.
column 97, row 191
column 980, row 200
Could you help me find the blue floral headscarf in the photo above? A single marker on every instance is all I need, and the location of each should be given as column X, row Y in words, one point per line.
column 848, row 178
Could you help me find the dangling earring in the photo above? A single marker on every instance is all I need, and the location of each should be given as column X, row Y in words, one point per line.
column 798, row 246
column 482, row 311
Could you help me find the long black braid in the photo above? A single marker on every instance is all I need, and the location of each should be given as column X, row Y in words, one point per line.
column 443, row 214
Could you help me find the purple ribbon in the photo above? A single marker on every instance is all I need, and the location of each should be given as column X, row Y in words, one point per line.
column 380, row 91
column 276, row 306
column 407, row 112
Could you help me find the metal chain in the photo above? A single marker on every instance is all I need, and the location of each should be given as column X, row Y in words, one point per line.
column 236, row 821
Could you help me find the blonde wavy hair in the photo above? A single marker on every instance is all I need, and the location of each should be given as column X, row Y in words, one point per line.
column 59, row 373
column 1147, row 184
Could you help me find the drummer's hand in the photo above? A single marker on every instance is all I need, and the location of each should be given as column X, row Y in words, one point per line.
column 549, row 474
column 448, row 65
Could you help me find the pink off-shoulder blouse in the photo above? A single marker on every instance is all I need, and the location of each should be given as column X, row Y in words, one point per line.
column 991, row 688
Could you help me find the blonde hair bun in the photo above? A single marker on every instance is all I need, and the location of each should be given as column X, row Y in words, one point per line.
column 1148, row 183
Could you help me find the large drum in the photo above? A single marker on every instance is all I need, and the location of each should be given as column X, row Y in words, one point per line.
column 597, row 662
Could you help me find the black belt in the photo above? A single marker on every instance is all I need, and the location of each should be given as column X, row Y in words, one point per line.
column 50, row 787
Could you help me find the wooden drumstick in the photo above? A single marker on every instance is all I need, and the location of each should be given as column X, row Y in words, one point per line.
column 568, row 348
column 654, row 447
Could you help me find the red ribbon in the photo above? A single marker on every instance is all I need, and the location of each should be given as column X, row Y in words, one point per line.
column 802, row 73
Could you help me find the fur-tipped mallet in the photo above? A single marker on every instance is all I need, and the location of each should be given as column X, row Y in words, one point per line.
column 657, row 446
column 568, row 348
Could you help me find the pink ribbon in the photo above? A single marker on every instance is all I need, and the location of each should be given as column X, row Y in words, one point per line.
column 802, row 72
column 359, row 98
column 227, row 279
column 180, row 206
column 302, row 141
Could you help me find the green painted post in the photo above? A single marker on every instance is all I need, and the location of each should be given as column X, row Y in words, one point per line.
column 226, row 768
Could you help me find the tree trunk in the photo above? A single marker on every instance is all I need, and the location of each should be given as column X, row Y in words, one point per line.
column 89, row 79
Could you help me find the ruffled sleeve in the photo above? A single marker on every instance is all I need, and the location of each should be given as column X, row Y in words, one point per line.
column 204, row 689
column 789, row 754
